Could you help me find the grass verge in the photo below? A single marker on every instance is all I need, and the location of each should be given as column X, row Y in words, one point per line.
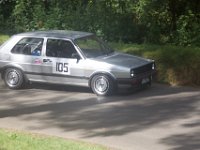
column 15, row 140
column 3, row 38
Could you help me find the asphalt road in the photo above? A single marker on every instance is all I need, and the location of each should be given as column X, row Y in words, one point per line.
column 157, row 118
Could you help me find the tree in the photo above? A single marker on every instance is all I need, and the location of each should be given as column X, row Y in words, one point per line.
column 137, row 21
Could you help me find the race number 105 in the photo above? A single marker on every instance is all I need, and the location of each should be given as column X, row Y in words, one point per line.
column 61, row 67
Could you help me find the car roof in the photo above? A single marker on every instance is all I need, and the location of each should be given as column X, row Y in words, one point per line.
column 57, row 33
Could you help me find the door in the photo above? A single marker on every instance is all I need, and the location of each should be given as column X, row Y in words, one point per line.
column 60, row 65
column 27, row 54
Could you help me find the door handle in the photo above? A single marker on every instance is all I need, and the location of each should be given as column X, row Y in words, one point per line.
column 46, row 60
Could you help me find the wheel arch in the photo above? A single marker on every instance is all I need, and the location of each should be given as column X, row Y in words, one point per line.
column 13, row 66
column 102, row 73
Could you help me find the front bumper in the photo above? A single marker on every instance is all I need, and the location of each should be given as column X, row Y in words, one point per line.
column 138, row 80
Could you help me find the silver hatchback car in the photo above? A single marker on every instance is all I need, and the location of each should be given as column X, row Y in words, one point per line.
column 70, row 57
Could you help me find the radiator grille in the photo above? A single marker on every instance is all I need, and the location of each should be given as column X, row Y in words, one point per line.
column 143, row 69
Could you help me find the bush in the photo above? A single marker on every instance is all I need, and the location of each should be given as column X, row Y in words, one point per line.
column 3, row 38
column 177, row 65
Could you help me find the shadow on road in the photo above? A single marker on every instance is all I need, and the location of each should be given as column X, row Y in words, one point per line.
column 65, row 88
column 97, row 116
column 122, row 91
column 184, row 141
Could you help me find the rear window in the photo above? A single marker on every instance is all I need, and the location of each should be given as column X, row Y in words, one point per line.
column 28, row 46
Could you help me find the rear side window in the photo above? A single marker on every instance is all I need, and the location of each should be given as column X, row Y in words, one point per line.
column 28, row 46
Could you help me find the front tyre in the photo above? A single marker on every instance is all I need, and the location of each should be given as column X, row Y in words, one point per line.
column 13, row 78
column 102, row 85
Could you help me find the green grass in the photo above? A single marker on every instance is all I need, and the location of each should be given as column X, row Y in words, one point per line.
column 3, row 38
column 15, row 140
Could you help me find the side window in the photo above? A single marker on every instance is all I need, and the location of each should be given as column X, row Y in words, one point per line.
column 28, row 46
column 60, row 48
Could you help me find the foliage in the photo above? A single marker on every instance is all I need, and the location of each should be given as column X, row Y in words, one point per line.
column 3, row 38
column 188, row 29
column 130, row 21
column 14, row 140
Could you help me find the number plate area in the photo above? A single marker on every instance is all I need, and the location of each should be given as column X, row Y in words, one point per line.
column 61, row 68
column 145, row 80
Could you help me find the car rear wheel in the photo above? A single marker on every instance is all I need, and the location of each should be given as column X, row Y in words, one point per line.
column 102, row 85
column 13, row 78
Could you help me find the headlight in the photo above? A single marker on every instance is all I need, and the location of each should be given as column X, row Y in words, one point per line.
column 132, row 73
column 153, row 66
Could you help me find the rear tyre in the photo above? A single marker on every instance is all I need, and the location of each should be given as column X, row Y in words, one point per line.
column 103, row 85
column 14, row 78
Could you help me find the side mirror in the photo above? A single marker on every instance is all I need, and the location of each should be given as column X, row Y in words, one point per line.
column 76, row 56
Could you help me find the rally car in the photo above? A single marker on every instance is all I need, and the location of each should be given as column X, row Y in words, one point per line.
column 71, row 58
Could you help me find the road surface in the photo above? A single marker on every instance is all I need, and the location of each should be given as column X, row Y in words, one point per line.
column 157, row 118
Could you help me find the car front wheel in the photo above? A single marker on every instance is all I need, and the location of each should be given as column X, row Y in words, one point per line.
column 13, row 78
column 102, row 85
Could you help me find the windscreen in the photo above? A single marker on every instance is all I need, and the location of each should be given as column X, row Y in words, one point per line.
column 93, row 47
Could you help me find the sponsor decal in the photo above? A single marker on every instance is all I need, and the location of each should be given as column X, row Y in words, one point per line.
column 37, row 61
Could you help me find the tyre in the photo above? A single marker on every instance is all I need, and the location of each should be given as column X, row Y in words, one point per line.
column 13, row 78
column 148, row 84
column 103, row 85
